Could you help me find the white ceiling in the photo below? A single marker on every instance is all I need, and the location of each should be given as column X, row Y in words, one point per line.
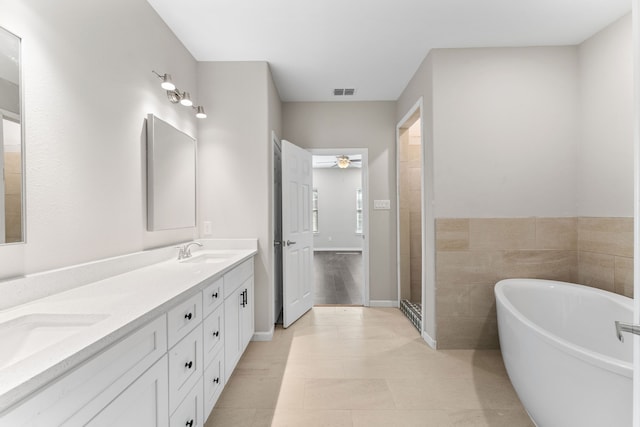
column 374, row 46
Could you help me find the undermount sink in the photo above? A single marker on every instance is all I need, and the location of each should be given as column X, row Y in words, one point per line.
column 209, row 258
column 27, row 335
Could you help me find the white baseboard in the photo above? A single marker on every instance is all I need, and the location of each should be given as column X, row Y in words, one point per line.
column 430, row 341
column 263, row 336
column 337, row 249
column 384, row 303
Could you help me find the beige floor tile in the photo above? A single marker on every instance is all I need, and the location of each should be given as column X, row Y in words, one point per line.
column 250, row 393
column 400, row 418
column 311, row 418
column 364, row 367
column 491, row 418
column 315, row 369
column 231, row 417
column 347, row 394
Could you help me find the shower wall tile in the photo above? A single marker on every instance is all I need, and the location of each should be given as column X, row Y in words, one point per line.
column 472, row 254
column 502, row 233
column 467, row 332
column 452, row 234
column 467, row 267
column 612, row 236
column 557, row 233
column 623, row 276
column 596, row 270
column 539, row 264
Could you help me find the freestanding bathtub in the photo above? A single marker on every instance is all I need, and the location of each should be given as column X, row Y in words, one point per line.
column 559, row 346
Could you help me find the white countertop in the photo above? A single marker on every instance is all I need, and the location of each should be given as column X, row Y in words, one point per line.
column 129, row 300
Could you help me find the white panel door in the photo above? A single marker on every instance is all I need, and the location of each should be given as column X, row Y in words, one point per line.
column 297, row 234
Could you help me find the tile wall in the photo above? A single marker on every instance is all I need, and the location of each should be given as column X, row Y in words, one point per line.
column 472, row 254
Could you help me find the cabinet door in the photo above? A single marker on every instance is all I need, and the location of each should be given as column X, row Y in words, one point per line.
column 185, row 367
column 213, row 331
column 213, row 384
column 246, row 320
column 143, row 403
column 232, row 341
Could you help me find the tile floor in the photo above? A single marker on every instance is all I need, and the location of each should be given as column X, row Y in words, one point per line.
column 357, row 367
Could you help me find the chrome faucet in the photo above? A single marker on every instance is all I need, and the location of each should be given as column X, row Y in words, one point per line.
column 185, row 250
column 626, row 327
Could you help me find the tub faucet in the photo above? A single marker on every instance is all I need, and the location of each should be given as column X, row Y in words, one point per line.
column 185, row 251
column 626, row 327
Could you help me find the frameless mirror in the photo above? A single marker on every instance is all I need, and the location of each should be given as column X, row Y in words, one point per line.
column 11, row 143
column 171, row 177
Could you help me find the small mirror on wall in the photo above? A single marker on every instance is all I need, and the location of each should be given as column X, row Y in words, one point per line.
column 171, row 177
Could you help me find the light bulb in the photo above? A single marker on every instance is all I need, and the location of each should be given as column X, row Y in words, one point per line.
column 200, row 113
column 167, row 82
column 186, row 100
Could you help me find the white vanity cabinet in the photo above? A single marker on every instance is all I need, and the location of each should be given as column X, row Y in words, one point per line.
column 168, row 373
column 238, row 314
column 131, row 372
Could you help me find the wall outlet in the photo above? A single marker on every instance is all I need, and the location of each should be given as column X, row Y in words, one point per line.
column 206, row 225
column 382, row 205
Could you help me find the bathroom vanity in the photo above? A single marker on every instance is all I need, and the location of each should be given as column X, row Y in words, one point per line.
column 150, row 347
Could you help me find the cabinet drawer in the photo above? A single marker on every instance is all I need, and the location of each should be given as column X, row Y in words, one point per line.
column 213, row 334
column 185, row 367
column 86, row 389
column 190, row 411
column 213, row 383
column 212, row 296
column 183, row 318
column 235, row 278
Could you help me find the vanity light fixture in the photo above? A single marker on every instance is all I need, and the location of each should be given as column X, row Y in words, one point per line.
column 175, row 96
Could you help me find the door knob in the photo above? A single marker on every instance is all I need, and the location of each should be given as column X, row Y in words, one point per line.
column 289, row 243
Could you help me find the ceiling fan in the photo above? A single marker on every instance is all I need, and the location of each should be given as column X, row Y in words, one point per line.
column 342, row 162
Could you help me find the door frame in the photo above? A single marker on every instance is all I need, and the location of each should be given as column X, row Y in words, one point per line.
column 635, row 11
column 428, row 322
column 364, row 152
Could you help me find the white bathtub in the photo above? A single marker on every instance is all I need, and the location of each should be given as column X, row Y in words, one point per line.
column 560, row 349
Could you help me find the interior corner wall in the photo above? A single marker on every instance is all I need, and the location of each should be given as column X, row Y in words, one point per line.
column 84, row 127
column 605, row 156
column 368, row 125
column 233, row 168
column 419, row 91
column 337, row 208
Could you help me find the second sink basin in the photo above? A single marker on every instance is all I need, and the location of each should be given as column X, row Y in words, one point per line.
column 209, row 258
column 27, row 335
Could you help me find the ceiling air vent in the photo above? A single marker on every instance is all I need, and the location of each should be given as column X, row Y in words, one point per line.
column 345, row 92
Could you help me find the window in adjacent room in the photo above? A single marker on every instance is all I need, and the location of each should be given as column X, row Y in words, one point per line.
column 314, row 209
column 359, row 211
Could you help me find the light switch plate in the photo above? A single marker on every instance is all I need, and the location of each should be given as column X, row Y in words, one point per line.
column 382, row 204
column 207, row 228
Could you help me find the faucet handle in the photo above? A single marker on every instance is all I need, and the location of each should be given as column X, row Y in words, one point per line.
column 181, row 253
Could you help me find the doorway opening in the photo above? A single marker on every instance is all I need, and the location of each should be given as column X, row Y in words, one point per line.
column 339, row 219
column 410, row 218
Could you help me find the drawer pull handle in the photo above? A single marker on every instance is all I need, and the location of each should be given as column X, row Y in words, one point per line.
column 188, row 365
column 215, row 295
column 216, row 333
column 216, row 380
column 188, row 316
column 189, row 423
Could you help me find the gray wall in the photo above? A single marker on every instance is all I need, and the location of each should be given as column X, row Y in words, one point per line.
column 337, row 208
column 358, row 125
column 85, row 167
column 234, row 164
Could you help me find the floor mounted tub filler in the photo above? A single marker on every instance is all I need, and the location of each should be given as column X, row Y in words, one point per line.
column 563, row 357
